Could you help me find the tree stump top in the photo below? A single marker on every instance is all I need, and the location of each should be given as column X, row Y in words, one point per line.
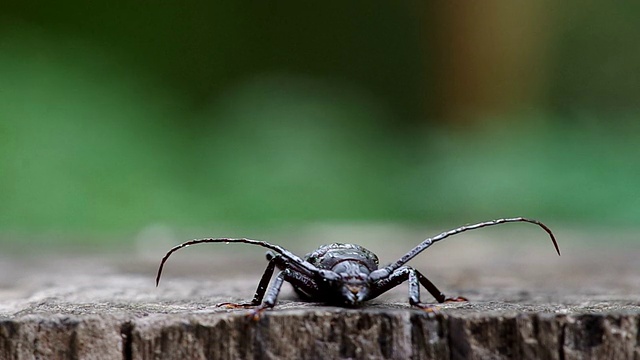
column 528, row 303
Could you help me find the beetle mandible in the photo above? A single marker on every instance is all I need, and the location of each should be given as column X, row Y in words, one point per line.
column 344, row 274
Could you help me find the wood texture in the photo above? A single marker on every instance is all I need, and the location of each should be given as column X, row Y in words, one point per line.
column 583, row 306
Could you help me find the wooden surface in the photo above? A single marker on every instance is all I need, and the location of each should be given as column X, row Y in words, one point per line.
column 525, row 303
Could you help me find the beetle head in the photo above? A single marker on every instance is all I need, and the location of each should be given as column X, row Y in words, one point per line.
column 354, row 290
column 349, row 282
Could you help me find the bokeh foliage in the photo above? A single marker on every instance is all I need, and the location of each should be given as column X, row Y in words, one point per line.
column 117, row 115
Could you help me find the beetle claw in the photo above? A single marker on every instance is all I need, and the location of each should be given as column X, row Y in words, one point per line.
column 230, row 305
column 456, row 299
column 432, row 309
column 255, row 314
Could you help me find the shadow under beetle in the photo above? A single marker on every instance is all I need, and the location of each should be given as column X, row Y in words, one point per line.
column 343, row 274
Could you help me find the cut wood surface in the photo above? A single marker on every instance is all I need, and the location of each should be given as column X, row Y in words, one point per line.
column 525, row 302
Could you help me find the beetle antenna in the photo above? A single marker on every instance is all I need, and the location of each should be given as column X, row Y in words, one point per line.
column 426, row 243
column 278, row 249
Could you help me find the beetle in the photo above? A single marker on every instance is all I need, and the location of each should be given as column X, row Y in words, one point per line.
column 344, row 274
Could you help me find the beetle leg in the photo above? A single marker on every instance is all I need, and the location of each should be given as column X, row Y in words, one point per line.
column 433, row 290
column 415, row 278
column 305, row 287
column 274, row 261
column 272, row 296
column 303, row 284
column 414, row 292
column 396, row 278
column 383, row 285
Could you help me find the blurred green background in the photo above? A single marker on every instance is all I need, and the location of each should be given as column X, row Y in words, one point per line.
column 118, row 115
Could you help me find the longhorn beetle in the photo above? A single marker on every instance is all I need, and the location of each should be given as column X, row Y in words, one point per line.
column 343, row 274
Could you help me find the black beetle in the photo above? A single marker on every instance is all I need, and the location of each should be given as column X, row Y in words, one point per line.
column 343, row 274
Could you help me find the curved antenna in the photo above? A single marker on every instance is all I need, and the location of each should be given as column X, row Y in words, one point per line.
column 426, row 243
column 295, row 260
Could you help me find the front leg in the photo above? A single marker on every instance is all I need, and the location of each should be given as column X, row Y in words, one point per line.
column 415, row 278
column 272, row 295
column 435, row 292
column 274, row 261
column 269, row 301
column 414, row 292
